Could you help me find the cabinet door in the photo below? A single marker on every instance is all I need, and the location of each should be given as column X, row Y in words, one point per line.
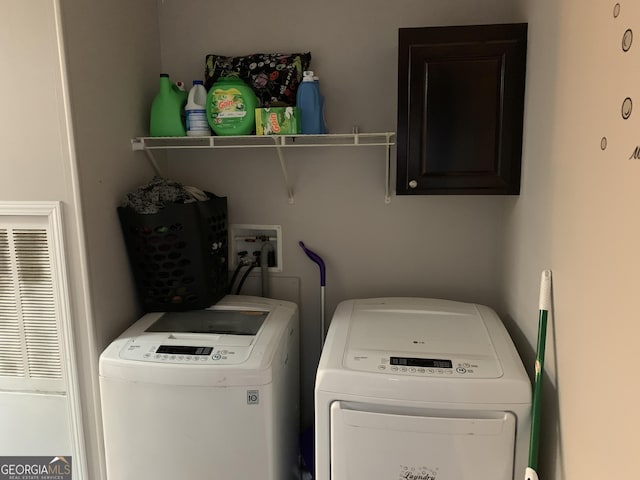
column 460, row 109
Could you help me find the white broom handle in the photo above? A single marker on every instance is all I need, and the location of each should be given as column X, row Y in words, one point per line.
column 545, row 291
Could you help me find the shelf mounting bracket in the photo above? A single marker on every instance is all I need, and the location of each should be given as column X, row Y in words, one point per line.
column 283, row 165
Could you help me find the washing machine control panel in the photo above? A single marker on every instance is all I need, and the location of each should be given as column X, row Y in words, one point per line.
column 440, row 366
column 185, row 354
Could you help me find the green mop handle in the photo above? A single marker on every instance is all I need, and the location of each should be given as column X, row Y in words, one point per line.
column 545, row 307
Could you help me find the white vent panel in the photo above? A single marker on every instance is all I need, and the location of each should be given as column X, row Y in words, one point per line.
column 30, row 337
column 37, row 303
column 12, row 358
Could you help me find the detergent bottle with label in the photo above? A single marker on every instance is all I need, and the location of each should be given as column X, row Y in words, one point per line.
column 166, row 110
column 309, row 101
column 195, row 111
column 231, row 106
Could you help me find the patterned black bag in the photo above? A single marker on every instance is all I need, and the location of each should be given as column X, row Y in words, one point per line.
column 274, row 77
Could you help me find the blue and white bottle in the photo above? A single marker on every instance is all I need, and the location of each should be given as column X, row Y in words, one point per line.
column 309, row 102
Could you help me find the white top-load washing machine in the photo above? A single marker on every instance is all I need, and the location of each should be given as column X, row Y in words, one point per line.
column 204, row 394
column 420, row 389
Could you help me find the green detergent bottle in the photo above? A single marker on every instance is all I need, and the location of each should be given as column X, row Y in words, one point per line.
column 231, row 107
column 166, row 110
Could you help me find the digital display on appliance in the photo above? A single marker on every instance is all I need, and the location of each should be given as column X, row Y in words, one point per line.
column 420, row 362
column 184, row 350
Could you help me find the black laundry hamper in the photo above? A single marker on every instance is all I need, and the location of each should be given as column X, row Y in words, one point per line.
column 178, row 255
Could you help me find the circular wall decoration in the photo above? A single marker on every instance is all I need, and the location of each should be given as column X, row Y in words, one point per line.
column 620, row 25
column 603, row 143
column 627, row 106
column 627, row 39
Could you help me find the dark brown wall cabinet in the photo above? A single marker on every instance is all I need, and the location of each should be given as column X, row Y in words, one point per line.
column 460, row 109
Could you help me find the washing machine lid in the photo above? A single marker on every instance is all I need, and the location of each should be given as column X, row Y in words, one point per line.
column 430, row 340
column 235, row 342
column 211, row 321
column 420, row 350
column 216, row 336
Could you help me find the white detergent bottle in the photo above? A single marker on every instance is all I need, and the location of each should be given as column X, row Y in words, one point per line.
column 196, row 116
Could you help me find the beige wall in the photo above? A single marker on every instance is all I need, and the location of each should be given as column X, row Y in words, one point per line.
column 436, row 246
column 578, row 215
column 38, row 164
column 35, row 159
column 73, row 146
column 112, row 56
column 575, row 214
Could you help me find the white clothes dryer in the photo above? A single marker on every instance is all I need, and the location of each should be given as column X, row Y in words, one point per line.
column 204, row 394
column 420, row 389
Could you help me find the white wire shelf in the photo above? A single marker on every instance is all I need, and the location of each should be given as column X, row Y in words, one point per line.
column 266, row 141
column 279, row 142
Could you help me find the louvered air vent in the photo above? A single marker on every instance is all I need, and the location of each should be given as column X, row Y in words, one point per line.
column 29, row 336
column 11, row 350
column 38, row 303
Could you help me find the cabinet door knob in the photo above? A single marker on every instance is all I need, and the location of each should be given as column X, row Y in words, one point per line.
column 413, row 184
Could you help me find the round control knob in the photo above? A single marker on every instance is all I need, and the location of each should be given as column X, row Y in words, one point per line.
column 413, row 184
